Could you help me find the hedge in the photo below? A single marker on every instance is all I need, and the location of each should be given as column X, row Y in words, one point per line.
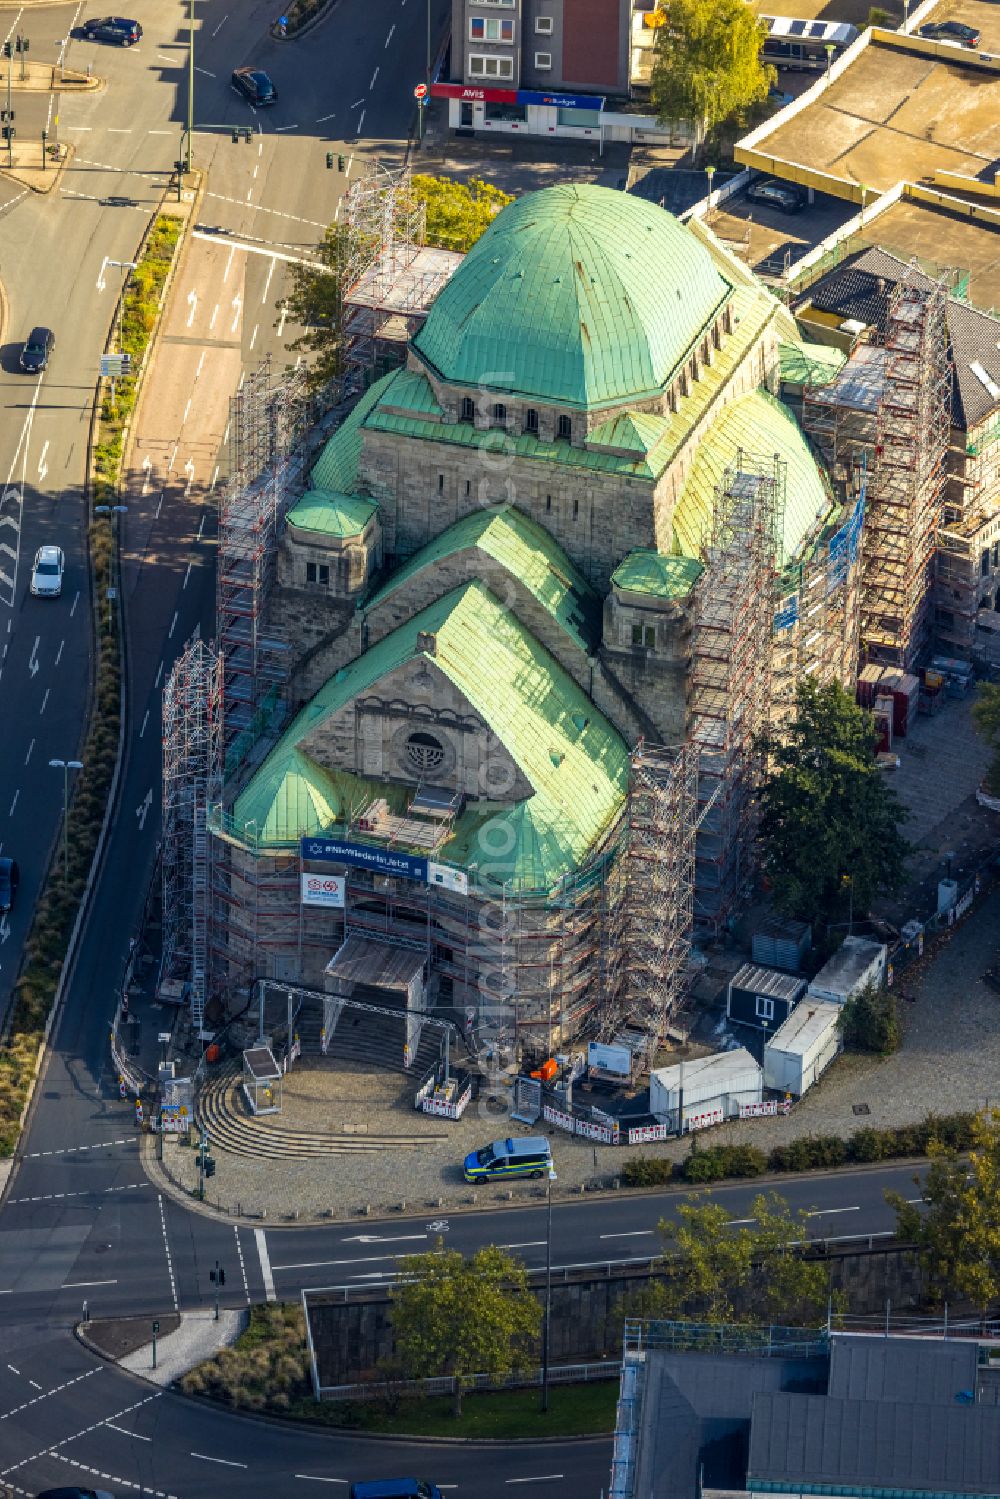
column 56, row 911
column 715, row 1163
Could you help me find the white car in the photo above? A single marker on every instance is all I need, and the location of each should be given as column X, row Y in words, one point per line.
column 47, row 573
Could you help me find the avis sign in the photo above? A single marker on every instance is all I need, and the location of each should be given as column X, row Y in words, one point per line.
column 324, row 889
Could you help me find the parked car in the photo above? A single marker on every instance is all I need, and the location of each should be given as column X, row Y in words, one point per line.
column 120, row 31
column 782, row 195
column 47, row 573
column 396, row 1488
column 529, row 1156
column 37, row 347
column 255, row 85
column 951, row 31
column 9, row 876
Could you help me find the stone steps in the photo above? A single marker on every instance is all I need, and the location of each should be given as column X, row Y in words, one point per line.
column 223, row 1113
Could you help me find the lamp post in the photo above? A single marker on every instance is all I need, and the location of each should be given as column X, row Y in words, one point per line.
column 709, row 173
column 124, row 266
column 66, row 766
column 547, row 1314
column 114, row 511
column 829, row 49
column 190, row 99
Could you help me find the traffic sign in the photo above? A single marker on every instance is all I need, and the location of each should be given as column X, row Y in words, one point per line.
column 420, row 92
column 115, row 366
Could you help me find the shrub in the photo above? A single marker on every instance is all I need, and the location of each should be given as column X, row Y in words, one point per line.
column 647, row 1171
column 869, row 1145
column 869, row 1021
column 716, row 1162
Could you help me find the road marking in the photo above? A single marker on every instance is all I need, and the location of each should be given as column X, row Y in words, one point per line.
column 65, row 1442
column 205, row 71
column 173, row 626
column 322, row 121
column 201, row 362
column 636, row 1233
column 262, row 207
column 35, row 1155
column 15, row 493
column 159, row 674
column 45, row 700
column 59, row 652
column 34, row 1384
column 215, row 476
column 528, row 1244
column 166, row 1246
column 542, row 1478
column 253, row 336
column 243, row 1268
column 382, row 1239
column 73, row 608
column 265, row 1263
column 84, row 1192
column 13, row 804
column 392, row 28
column 101, row 283
column 28, row 755
column 193, row 306
column 185, row 583
column 118, row 130
column 357, row 103
column 215, row 314
column 154, row 132
column 58, row 1390
column 267, row 283
column 737, row 1222
column 361, row 121
column 372, row 84
column 159, row 505
column 823, row 1212
column 143, row 809
column 43, row 467
column 174, row 62
column 33, row 658
column 87, row 1285
column 315, row 1478
column 279, row 128
column 223, row 1460
column 136, row 1435
column 144, row 723
column 236, row 304
column 14, row 1371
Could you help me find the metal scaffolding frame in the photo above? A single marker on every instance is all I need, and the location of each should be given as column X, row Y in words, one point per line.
column 192, row 779
column 913, row 432
column 266, row 418
column 730, row 680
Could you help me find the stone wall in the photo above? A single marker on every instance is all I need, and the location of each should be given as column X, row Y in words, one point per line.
column 352, row 1336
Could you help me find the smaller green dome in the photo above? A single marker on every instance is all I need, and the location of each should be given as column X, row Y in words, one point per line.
column 579, row 296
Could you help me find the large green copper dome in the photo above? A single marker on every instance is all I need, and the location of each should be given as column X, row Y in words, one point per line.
column 578, row 295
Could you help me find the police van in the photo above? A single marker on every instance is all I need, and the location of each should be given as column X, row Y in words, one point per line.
column 507, row 1158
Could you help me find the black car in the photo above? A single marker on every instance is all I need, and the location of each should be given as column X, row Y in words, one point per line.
column 951, row 31
column 119, row 30
column 75, row 1494
column 9, row 876
column 37, row 348
column 782, row 195
column 255, row 85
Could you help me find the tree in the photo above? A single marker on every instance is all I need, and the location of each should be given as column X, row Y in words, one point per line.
column 453, row 1316
column 716, row 1273
column 707, row 64
column 956, row 1226
column 869, row 1021
column 986, row 717
column 830, row 821
column 458, row 212
column 316, row 303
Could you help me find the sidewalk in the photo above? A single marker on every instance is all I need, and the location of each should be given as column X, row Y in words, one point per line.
column 179, row 1350
column 514, row 164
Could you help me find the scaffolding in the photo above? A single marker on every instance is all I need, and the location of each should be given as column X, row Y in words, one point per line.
column 192, row 778
column 913, row 430
column 968, row 533
column 390, row 276
column 266, row 419
column 730, row 681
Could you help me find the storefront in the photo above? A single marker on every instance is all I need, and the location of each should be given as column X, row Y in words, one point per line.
column 472, row 107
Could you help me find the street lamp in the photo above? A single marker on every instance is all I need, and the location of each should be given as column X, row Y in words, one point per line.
column 547, row 1315
column 829, row 48
column 114, row 511
column 709, row 173
column 124, row 266
column 189, row 130
column 66, row 766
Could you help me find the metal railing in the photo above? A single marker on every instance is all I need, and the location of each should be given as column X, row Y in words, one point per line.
column 445, row 1384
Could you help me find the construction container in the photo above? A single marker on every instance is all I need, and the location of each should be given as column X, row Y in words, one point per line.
column 882, row 713
column 705, row 1091
column 762, row 997
column 857, row 963
column 905, row 689
column 803, row 1048
column 782, row 944
column 868, row 680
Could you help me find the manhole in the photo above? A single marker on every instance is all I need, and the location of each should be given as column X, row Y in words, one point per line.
column 860, row 1108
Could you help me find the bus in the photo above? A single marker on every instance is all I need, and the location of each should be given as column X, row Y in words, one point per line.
column 802, row 44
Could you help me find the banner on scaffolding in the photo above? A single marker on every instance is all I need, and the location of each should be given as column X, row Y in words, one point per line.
column 362, row 856
column 324, row 889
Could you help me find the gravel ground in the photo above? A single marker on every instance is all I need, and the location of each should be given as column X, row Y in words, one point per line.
column 949, row 1060
column 198, row 1338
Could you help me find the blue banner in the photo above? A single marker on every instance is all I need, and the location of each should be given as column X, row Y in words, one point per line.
column 561, row 101
column 378, row 860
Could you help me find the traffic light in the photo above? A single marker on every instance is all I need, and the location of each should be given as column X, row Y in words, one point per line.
column 22, row 44
column 217, row 1276
column 341, row 163
column 236, row 135
column 329, row 161
column 209, row 1166
column 8, row 50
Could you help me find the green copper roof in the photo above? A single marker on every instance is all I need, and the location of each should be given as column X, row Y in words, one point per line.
column 574, row 759
column 578, row 295
column 760, row 427
column 332, row 513
column 632, row 432
column 653, row 573
column 411, row 392
column 526, row 551
column 337, row 465
column 809, row 364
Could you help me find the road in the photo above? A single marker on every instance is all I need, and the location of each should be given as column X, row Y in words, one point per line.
column 81, row 1221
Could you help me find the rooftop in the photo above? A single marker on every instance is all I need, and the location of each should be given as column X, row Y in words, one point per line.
column 331, row 513
column 902, row 1369
column 581, row 296
column 661, row 577
column 807, row 1022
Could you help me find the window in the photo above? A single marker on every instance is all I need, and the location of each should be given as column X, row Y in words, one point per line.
column 490, row 67
column 984, row 563
column 499, row 414
column 468, row 409
column 517, row 113
column 548, row 503
column 565, row 428
column 318, row 572
column 576, row 507
column 491, row 29
column 543, row 25
column 765, row 1008
column 424, row 752
column 543, row 61
column 440, row 483
column 644, row 635
column 468, row 487
column 531, row 421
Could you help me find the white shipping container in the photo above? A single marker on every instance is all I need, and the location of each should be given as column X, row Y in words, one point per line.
column 801, row 1050
column 857, row 963
column 723, row 1080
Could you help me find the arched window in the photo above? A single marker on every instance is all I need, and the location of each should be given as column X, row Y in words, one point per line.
column 565, row 428
column 424, row 752
column 468, row 409
column 531, row 421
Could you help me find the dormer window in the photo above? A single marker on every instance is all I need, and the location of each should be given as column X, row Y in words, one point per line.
column 531, row 421
column 468, row 409
column 564, row 428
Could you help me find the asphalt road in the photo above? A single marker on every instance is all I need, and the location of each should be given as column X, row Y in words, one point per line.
column 81, row 1221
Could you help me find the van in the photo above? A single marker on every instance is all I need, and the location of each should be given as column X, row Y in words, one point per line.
column 396, row 1488
column 506, row 1158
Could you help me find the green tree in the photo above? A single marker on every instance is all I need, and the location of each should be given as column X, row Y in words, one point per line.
column 455, row 1316
column 830, row 821
column 986, row 717
column 717, row 1273
column 956, row 1225
column 458, row 212
column 869, row 1021
column 707, row 64
column 315, row 302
